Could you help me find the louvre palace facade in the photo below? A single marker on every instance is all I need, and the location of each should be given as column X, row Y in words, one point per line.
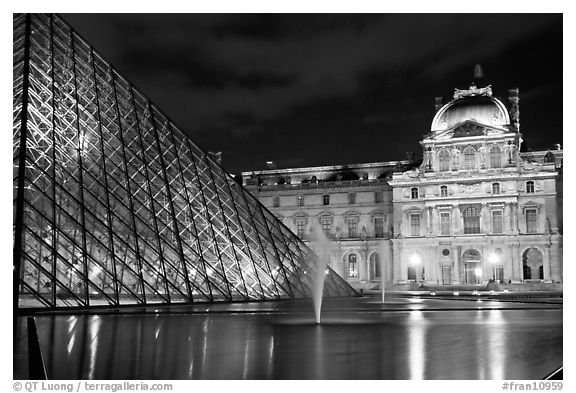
column 472, row 211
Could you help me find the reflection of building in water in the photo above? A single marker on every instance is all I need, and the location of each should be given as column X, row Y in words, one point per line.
column 474, row 209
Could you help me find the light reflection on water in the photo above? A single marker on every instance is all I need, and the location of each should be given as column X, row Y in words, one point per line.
column 407, row 344
column 417, row 345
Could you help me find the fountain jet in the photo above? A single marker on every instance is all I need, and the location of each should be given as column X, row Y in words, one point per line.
column 323, row 245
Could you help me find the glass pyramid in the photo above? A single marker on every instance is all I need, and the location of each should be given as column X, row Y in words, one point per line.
column 114, row 205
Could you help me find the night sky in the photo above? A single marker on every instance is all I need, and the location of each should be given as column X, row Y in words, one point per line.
column 325, row 89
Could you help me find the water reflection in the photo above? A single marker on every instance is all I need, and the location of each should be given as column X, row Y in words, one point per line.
column 366, row 344
column 417, row 345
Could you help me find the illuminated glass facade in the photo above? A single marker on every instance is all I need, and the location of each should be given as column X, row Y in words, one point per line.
column 115, row 205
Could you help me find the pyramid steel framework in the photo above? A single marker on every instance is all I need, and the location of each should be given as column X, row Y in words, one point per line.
column 114, row 205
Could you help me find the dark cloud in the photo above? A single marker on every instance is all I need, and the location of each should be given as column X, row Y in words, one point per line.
column 326, row 89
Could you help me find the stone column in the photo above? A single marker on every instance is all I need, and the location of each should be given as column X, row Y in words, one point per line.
column 515, row 228
column 435, row 274
column 455, row 220
column 506, row 220
column 398, row 277
column 387, row 272
column 516, row 263
column 547, row 264
column 456, row 278
column 484, row 221
column 435, row 222
column 487, row 267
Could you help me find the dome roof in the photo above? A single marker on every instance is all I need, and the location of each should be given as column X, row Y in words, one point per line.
column 483, row 109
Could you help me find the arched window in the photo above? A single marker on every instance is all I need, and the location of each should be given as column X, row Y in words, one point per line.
column 375, row 265
column 495, row 188
column 472, row 220
column 469, row 158
column 352, row 266
column 495, row 157
column 444, row 161
column 414, row 193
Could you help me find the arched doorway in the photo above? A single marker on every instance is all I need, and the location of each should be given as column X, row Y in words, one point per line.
column 532, row 264
column 375, row 271
column 416, row 271
column 472, row 266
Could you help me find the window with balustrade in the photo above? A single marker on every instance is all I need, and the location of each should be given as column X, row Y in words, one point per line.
column 496, row 157
column 415, row 224
column 497, row 221
column 444, row 160
column 471, row 220
column 469, row 158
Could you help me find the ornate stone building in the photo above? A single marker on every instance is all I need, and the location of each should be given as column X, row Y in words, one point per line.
column 345, row 213
column 474, row 209
column 477, row 209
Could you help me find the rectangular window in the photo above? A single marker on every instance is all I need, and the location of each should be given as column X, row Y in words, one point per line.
column 497, row 221
column 445, row 223
column 531, row 221
column 301, row 228
column 415, row 224
column 300, row 200
column 378, row 197
column 443, row 191
column 379, row 226
column 414, row 193
column 530, row 186
column 352, row 198
column 326, row 199
column 276, row 202
column 495, row 188
column 352, row 227
column 326, row 224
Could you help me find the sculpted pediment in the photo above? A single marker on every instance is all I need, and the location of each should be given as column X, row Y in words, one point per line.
column 469, row 129
column 466, row 129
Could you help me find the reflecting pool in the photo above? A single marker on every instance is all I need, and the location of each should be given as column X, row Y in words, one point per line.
column 407, row 338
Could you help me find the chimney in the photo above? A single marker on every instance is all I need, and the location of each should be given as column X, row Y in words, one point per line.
column 271, row 165
column 514, row 99
column 438, row 103
column 216, row 156
column 478, row 72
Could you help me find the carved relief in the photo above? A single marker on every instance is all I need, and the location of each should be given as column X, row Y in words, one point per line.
column 473, row 91
column 469, row 129
column 455, row 158
column 469, row 188
column 531, row 166
column 482, row 152
column 412, row 174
